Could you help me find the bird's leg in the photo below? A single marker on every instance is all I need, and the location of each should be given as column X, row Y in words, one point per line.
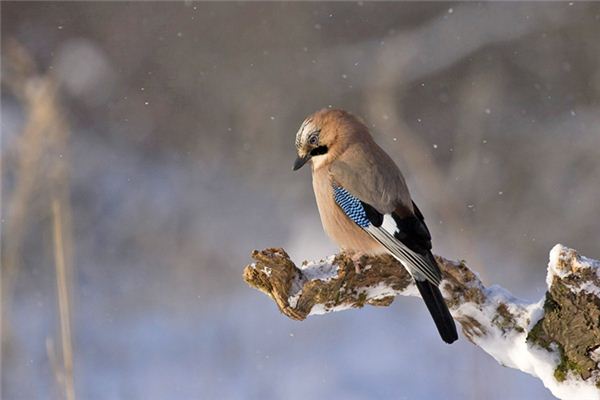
column 355, row 257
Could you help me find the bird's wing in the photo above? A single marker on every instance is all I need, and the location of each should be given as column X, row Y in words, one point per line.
column 401, row 232
column 367, row 172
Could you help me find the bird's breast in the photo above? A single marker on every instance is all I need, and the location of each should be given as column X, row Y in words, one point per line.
column 341, row 229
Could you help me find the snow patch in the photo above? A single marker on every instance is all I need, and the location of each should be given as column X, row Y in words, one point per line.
column 379, row 291
column 320, row 309
column 323, row 270
column 554, row 265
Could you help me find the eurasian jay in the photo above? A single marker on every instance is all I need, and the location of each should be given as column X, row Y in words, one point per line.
column 365, row 205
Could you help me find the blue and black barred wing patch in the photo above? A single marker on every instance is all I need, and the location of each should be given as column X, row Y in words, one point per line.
column 386, row 231
column 351, row 206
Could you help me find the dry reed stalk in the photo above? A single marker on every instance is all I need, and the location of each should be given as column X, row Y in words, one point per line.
column 54, row 363
column 64, row 305
column 36, row 174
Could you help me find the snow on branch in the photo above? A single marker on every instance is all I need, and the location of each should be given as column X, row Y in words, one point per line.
column 556, row 339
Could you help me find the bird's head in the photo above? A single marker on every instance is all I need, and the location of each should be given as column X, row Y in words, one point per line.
column 323, row 134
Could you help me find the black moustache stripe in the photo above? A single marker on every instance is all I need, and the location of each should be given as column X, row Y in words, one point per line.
column 317, row 151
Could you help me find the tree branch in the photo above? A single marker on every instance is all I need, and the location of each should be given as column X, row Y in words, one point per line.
column 556, row 339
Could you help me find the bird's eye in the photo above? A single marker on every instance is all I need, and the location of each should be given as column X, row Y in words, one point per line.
column 313, row 140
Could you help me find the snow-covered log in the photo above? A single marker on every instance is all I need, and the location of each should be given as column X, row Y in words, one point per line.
column 556, row 339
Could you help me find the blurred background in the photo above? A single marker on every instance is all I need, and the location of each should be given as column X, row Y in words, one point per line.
column 147, row 149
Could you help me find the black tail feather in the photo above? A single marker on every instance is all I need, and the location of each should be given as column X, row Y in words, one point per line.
column 439, row 310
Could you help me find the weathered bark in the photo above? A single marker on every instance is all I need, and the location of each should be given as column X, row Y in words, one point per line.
column 556, row 339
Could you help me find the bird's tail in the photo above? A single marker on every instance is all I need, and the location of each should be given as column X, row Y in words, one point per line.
column 439, row 310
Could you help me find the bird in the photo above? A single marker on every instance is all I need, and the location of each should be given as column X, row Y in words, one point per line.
column 365, row 205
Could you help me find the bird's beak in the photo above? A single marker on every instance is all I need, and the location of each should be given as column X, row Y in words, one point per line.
column 300, row 161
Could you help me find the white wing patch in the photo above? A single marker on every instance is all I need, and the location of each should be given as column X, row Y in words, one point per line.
column 389, row 224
